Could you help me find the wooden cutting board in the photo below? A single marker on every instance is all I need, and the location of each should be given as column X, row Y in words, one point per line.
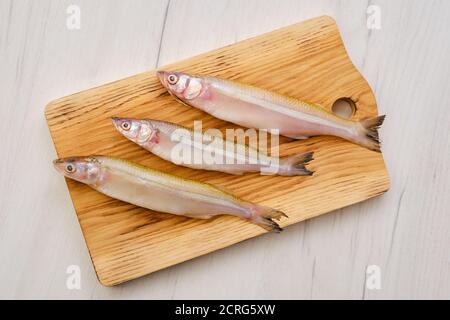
column 306, row 60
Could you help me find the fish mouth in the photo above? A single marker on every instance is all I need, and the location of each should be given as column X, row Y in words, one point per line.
column 162, row 77
column 116, row 120
column 58, row 164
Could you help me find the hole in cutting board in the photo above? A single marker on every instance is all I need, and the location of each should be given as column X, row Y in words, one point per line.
column 344, row 107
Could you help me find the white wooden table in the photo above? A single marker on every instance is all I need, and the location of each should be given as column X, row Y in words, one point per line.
column 405, row 233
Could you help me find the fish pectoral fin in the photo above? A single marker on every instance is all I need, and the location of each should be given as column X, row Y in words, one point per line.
column 178, row 99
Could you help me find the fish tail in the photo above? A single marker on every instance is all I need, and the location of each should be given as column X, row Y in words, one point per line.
column 368, row 133
column 264, row 217
column 295, row 165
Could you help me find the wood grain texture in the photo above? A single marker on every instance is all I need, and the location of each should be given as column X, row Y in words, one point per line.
column 405, row 232
column 307, row 60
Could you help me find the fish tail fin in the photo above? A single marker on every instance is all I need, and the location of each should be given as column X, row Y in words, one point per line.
column 295, row 165
column 264, row 217
column 368, row 133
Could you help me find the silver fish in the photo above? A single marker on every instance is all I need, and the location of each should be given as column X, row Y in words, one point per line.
column 155, row 190
column 168, row 140
column 253, row 107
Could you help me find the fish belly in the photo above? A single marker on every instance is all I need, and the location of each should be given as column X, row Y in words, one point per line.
column 154, row 196
column 197, row 155
column 288, row 122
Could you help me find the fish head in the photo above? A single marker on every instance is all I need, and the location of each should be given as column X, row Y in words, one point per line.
column 184, row 86
column 83, row 169
column 139, row 131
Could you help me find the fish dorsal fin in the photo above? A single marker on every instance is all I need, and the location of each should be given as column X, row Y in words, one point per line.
column 223, row 189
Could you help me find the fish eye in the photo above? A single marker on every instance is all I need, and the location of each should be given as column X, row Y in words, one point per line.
column 126, row 125
column 70, row 168
column 172, row 79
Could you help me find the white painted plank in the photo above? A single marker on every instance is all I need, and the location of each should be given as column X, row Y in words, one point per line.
column 405, row 232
